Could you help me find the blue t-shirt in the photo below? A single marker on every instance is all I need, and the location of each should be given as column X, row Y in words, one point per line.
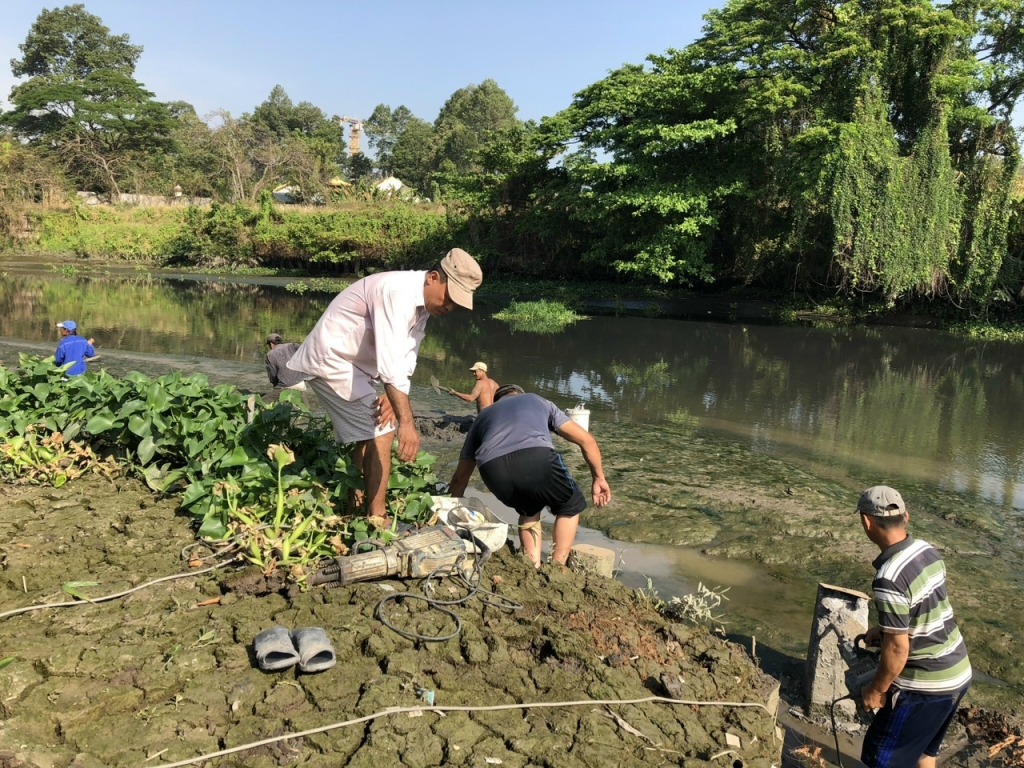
column 73, row 348
column 511, row 424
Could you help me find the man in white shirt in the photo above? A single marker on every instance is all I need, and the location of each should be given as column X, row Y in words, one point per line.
column 371, row 332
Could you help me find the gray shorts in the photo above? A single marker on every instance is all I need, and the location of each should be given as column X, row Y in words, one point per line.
column 353, row 420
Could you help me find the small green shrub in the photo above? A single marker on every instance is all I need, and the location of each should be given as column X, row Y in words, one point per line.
column 538, row 316
column 698, row 607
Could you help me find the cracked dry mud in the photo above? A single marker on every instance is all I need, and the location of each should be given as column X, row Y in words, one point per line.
column 154, row 678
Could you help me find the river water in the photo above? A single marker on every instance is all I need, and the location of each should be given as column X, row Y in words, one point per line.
column 742, row 447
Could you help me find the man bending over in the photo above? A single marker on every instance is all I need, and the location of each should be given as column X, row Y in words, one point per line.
column 511, row 441
column 371, row 332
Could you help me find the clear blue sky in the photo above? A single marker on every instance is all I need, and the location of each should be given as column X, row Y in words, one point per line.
column 346, row 57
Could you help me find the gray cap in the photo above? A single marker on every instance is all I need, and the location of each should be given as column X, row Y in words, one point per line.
column 881, row 501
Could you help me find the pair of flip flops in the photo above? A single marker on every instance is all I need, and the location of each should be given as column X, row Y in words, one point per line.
column 277, row 648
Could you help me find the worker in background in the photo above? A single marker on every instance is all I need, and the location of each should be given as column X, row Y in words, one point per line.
column 278, row 372
column 483, row 391
column 370, row 333
column 923, row 671
column 72, row 348
column 511, row 442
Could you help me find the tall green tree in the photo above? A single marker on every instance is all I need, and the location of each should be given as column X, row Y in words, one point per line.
column 80, row 101
column 70, row 42
column 384, row 128
column 414, row 156
column 467, row 119
column 280, row 117
column 807, row 143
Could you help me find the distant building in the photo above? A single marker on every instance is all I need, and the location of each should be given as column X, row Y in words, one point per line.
column 287, row 193
column 393, row 186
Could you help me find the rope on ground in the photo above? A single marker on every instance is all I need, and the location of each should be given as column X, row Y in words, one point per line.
column 116, row 595
column 492, row 708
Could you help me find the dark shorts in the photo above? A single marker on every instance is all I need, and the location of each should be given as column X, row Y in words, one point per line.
column 531, row 479
column 912, row 725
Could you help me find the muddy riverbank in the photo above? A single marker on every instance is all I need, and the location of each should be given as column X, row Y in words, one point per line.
column 156, row 677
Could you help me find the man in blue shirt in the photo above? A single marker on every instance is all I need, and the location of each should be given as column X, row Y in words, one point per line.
column 511, row 442
column 72, row 348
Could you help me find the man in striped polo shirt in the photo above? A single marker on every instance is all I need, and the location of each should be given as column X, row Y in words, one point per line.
column 923, row 671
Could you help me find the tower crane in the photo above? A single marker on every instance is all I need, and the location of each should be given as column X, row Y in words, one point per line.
column 354, row 134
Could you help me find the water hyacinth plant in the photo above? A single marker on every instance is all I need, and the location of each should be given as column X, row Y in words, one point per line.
column 267, row 475
column 538, row 316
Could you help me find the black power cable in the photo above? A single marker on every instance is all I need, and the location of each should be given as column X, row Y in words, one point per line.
column 454, row 570
column 835, row 730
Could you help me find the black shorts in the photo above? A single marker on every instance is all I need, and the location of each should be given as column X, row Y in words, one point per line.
column 531, row 479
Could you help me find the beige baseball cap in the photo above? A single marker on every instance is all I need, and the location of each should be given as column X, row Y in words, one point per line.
column 881, row 501
column 464, row 276
column 478, row 366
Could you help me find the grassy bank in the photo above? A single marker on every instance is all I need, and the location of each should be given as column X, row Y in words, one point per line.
column 314, row 243
column 346, row 238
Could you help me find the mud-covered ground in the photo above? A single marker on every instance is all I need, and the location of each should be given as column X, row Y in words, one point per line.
column 156, row 677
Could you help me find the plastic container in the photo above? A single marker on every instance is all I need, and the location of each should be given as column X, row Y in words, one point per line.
column 471, row 513
column 580, row 415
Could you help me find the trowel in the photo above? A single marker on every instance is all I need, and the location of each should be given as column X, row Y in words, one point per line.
column 437, row 386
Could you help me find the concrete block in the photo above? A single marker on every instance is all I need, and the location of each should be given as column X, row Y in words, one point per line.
column 839, row 614
column 591, row 559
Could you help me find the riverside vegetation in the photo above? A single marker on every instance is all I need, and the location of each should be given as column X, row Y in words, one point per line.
column 269, row 477
column 804, row 149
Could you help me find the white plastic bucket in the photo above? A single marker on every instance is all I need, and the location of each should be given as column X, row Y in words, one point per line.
column 580, row 415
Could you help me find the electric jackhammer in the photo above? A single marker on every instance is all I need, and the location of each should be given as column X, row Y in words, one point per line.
column 415, row 556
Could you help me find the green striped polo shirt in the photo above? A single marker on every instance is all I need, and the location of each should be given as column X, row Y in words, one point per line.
column 910, row 594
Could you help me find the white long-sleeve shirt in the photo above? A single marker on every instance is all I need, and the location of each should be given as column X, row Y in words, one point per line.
column 370, row 332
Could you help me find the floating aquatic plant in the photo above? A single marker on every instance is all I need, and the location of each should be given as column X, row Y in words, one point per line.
column 538, row 316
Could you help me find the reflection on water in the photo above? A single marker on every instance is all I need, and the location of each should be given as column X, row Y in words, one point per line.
column 920, row 403
column 203, row 318
column 923, row 403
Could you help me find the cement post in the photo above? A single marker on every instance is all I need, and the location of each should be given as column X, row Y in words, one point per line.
column 591, row 559
column 838, row 614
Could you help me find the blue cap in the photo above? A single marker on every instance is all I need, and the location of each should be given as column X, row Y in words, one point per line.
column 68, row 325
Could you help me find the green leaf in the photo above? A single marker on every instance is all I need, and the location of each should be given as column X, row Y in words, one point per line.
column 100, row 423
column 139, row 425
column 7, row 662
column 157, row 398
column 212, row 527
column 156, row 475
column 72, row 587
column 194, row 493
column 236, row 458
column 424, row 459
column 146, row 450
